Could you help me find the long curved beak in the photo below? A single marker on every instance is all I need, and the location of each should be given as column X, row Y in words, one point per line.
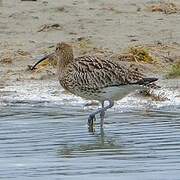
column 42, row 59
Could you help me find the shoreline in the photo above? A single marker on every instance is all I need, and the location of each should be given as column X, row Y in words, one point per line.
column 32, row 29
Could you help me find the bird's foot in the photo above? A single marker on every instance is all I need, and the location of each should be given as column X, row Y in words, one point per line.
column 91, row 124
column 91, row 120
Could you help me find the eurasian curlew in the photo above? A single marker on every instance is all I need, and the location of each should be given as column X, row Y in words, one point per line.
column 95, row 78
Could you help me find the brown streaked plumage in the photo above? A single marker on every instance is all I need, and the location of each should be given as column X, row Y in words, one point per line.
column 95, row 78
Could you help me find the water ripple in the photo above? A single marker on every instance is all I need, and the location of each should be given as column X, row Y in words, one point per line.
column 43, row 135
column 54, row 142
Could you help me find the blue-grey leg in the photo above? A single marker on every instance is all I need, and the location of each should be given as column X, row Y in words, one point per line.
column 102, row 113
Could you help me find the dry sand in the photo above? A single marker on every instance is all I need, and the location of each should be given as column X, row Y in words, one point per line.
column 32, row 28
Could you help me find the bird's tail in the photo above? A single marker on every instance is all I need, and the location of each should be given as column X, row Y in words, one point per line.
column 145, row 81
column 138, row 78
column 148, row 82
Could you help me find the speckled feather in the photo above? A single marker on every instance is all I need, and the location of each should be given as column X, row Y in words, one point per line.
column 91, row 74
column 95, row 78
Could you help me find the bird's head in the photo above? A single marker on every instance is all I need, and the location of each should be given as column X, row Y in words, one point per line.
column 63, row 54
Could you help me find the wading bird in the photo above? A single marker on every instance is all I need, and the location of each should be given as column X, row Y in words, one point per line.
column 95, row 78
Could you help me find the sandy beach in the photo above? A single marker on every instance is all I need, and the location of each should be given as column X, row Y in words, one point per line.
column 43, row 129
column 30, row 29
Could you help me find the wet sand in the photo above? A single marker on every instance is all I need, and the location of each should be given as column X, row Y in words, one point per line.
column 29, row 29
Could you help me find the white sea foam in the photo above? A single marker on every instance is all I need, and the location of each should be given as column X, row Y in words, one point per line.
column 47, row 92
column 167, row 98
column 50, row 93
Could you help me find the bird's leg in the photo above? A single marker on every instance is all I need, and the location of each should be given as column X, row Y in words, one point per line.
column 101, row 111
column 102, row 114
column 91, row 119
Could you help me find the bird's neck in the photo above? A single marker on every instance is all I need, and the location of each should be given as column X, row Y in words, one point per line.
column 63, row 62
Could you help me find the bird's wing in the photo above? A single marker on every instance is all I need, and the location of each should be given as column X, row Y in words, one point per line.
column 94, row 72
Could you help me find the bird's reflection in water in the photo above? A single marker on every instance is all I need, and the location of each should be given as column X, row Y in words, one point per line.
column 101, row 145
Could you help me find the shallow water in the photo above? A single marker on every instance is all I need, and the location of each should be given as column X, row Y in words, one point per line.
column 45, row 140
